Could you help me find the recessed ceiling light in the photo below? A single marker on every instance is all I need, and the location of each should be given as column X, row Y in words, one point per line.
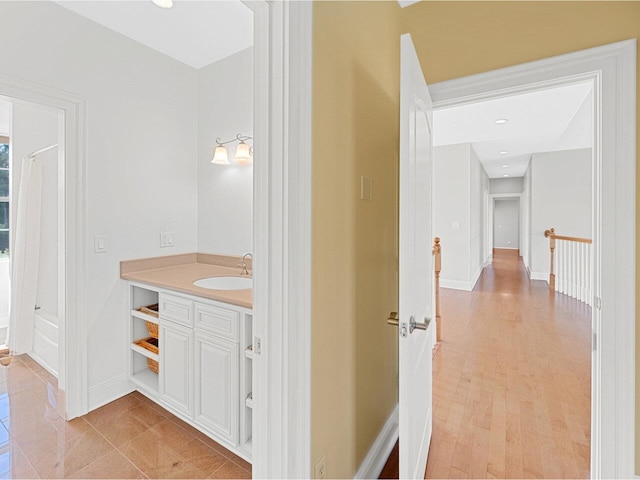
column 505, row 166
column 501, row 121
column 503, row 152
column 505, row 175
column 163, row 3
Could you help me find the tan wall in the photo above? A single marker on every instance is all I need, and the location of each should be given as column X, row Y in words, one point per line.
column 455, row 39
column 354, row 279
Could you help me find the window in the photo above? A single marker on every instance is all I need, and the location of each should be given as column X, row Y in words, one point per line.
column 4, row 200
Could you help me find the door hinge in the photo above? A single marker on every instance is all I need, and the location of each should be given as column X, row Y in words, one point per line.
column 594, row 342
column 257, row 346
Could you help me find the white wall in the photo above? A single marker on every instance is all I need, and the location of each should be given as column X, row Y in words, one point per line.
column 525, row 227
column 142, row 142
column 451, row 214
column 506, row 223
column 506, row 185
column 33, row 128
column 225, row 192
column 479, row 189
column 460, row 187
column 561, row 186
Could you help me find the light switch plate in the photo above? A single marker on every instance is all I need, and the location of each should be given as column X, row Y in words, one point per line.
column 365, row 188
column 100, row 244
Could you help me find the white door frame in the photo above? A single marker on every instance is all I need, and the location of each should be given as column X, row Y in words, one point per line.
column 282, row 238
column 492, row 207
column 72, row 351
column 612, row 69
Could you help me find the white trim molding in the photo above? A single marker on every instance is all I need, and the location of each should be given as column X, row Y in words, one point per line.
column 377, row 456
column 282, row 239
column 109, row 390
column 612, row 71
column 72, row 344
column 544, row 276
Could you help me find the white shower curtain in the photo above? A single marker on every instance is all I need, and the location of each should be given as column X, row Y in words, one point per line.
column 25, row 253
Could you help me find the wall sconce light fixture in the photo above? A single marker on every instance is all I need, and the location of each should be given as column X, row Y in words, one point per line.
column 243, row 154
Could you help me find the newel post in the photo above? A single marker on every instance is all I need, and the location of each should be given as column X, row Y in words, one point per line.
column 551, row 235
column 438, row 266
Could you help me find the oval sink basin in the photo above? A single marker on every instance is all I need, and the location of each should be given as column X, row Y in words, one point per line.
column 225, row 283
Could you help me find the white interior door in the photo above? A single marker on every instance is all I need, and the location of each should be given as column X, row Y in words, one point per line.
column 416, row 266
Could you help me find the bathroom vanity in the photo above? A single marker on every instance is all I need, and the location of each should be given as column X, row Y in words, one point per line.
column 200, row 366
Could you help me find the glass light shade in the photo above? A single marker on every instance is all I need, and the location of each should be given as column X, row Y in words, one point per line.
column 163, row 3
column 220, row 156
column 243, row 154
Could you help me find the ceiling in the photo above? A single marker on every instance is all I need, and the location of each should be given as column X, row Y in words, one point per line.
column 547, row 120
column 196, row 33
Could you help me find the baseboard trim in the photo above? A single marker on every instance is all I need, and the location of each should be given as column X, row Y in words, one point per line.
column 43, row 363
column 476, row 277
column 108, row 391
column 379, row 452
column 539, row 276
column 455, row 284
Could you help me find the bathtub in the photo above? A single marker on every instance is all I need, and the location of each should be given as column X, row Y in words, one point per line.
column 45, row 340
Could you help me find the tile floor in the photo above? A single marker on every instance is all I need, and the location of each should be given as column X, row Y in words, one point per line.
column 131, row 437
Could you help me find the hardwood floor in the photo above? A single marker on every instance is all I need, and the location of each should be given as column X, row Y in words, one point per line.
column 511, row 380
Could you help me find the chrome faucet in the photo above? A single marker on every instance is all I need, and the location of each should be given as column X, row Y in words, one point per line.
column 243, row 263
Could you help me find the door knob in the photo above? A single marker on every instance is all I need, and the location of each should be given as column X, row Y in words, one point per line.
column 393, row 319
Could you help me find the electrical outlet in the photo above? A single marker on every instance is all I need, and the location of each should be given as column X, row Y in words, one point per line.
column 166, row 239
column 321, row 468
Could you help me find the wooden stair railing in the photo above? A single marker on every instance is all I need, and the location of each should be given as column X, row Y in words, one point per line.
column 438, row 266
column 571, row 262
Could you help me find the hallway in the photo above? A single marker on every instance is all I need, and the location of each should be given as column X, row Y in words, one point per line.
column 512, row 380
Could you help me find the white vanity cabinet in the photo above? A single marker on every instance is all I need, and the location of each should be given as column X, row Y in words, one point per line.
column 217, row 384
column 176, row 366
column 204, row 363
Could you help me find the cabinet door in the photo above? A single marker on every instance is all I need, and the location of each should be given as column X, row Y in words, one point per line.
column 217, row 383
column 176, row 344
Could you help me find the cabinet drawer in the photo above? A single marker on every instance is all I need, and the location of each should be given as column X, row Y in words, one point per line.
column 176, row 309
column 217, row 320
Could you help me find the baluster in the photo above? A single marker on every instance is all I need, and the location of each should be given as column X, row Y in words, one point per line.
column 582, row 270
column 437, row 267
column 574, row 270
column 559, row 265
column 563, row 285
column 552, row 246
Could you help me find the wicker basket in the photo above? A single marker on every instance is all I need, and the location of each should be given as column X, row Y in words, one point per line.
column 153, row 329
column 149, row 343
column 150, row 310
column 153, row 365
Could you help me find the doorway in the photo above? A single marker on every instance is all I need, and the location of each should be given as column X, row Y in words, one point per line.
column 506, row 223
column 70, row 113
column 35, row 201
column 613, row 201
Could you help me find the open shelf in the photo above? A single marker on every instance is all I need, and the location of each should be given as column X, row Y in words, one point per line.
column 144, row 351
column 146, row 379
column 144, row 316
